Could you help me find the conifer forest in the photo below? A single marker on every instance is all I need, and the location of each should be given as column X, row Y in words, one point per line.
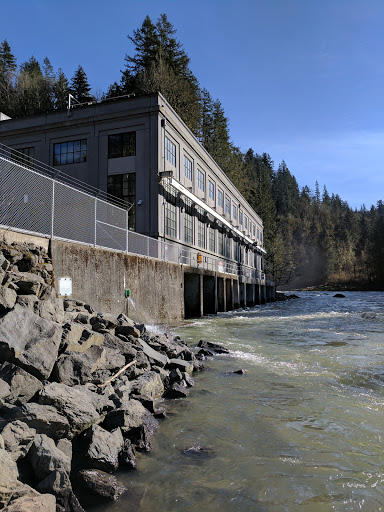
column 312, row 236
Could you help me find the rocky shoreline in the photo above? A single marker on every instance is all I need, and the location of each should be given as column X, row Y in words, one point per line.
column 81, row 392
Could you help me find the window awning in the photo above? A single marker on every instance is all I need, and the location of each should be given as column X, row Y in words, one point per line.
column 209, row 210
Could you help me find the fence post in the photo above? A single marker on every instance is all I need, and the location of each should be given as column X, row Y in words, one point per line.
column 53, row 208
column 95, row 220
column 126, row 231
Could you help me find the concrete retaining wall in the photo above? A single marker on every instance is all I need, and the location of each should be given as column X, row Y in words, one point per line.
column 100, row 276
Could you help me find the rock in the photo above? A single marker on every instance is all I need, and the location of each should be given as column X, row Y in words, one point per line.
column 180, row 364
column 176, row 390
column 30, row 284
column 339, row 296
column 203, row 353
column 113, row 342
column 160, row 359
column 103, row 322
column 4, row 263
column 29, row 341
column 18, row 439
column 128, row 455
column 190, row 381
column 240, row 372
column 78, row 339
column 201, row 452
column 142, row 436
column 45, row 457
column 175, row 375
column 58, row 484
column 82, row 318
column 127, row 330
column 148, row 385
column 77, row 305
column 101, row 483
column 7, row 298
column 130, row 414
column 40, row 503
column 113, row 360
column 20, row 387
column 77, row 368
column 104, row 448
column 219, row 349
column 45, row 419
column 81, row 406
column 65, row 446
column 8, row 477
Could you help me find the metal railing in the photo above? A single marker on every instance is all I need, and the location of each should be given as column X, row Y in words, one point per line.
column 39, row 200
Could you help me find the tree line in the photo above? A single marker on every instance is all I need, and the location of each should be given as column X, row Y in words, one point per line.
column 312, row 237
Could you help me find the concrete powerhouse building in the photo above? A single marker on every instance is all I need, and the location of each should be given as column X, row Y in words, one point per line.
column 140, row 150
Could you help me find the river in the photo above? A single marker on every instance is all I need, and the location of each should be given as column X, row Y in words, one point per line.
column 300, row 431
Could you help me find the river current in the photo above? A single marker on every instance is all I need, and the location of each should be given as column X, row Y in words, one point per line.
column 300, row 431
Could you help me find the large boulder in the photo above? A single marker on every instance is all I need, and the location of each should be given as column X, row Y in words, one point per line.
column 181, row 364
column 148, row 385
column 101, row 483
column 45, row 457
column 159, row 359
column 45, row 419
column 58, row 484
column 8, row 477
column 33, row 503
column 73, row 368
column 81, row 406
column 117, row 345
column 21, row 384
column 130, row 414
column 77, row 338
column 18, row 438
column 103, row 448
column 7, row 298
column 29, row 341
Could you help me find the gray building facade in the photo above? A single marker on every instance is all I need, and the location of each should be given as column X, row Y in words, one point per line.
column 139, row 149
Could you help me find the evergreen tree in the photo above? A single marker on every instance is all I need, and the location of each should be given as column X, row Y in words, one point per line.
column 7, row 76
column 60, row 91
column 80, row 87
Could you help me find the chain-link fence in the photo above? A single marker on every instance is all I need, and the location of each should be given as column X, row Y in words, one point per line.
column 39, row 200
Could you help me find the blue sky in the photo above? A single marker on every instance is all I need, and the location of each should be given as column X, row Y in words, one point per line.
column 300, row 79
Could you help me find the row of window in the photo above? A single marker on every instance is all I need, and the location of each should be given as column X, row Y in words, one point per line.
column 75, row 151
column 237, row 214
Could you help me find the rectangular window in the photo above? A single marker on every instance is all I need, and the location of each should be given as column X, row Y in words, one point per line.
column 124, row 187
column 234, row 212
column 220, row 242
column 200, row 228
column 187, row 168
column 170, row 151
column 188, row 221
column 23, row 156
column 212, row 239
column 227, row 247
column 170, row 211
column 240, row 218
column 254, row 229
column 227, row 205
column 245, row 222
column 122, row 144
column 220, row 198
column 73, row 152
column 211, row 190
column 200, row 180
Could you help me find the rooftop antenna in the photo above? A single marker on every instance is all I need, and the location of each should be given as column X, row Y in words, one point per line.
column 70, row 97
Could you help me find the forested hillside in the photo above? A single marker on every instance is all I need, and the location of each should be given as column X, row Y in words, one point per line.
column 312, row 236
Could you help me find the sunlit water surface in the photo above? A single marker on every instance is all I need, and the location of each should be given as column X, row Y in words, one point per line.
column 300, row 431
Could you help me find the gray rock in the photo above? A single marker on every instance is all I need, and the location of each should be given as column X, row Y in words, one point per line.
column 128, row 455
column 114, row 343
column 104, row 448
column 45, row 457
column 45, row 419
column 30, row 284
column 160, row 359
column 21, row 384
column 65, row 446
column 77, row 338
column 58, row 484
column 18, row 438
column 28, row 301
column 4, row 263
column 8, row 477
column 40, row 503
column 7, row 298
column 29, row 341
column 216, row 347
column 131, row 414
column 177, row 390
column 77, row 368
column 101, row 483
column 103, row 322
column 81, row 407
column 181, row 364
column 127, row 330
column 148, row 385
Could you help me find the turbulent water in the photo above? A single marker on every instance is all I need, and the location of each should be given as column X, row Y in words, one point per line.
column 300, row 431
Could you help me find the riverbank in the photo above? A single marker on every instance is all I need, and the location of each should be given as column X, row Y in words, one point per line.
column 80, row 390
